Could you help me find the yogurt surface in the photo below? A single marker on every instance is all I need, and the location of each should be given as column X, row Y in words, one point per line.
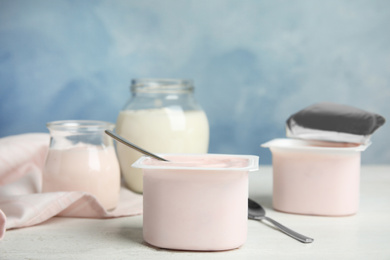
column 199, row 161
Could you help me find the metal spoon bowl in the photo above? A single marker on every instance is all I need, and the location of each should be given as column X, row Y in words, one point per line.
column 256, row 212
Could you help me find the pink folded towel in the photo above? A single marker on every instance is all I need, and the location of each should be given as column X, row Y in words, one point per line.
column 22, row 204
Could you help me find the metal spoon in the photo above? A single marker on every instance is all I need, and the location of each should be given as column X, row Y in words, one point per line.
column 255, row 211
column 139, row 149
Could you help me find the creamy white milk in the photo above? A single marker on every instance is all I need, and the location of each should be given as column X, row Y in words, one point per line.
column 165, row 130
column 84, row 168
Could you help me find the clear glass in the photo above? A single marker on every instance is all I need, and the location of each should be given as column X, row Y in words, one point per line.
column 161, row 116
column 82, row 157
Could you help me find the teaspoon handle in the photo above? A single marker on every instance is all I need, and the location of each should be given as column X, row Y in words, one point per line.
column 289, row 232
column 135, row 147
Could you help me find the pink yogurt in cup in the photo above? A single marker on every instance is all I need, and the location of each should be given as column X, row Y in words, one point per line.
column 315, row 177
column 196, row 202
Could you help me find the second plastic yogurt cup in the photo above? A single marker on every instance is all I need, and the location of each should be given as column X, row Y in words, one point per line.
column 315, row 177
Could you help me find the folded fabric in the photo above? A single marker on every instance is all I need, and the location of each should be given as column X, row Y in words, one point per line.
column 22, row 204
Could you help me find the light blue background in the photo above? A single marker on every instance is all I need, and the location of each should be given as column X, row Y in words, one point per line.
column 254, row 63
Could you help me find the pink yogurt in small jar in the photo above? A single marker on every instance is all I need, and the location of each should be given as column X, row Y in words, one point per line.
column 315, row 177
column 196, row 202
column 86, row 168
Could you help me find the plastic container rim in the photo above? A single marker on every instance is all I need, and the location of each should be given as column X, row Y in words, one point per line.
column 313, row 145
column 253, row 163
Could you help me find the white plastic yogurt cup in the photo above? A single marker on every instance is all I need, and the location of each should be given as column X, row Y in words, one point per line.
column 196, row 201
column 315, row 177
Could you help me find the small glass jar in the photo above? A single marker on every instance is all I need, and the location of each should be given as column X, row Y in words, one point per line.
column 161, row 116
column 82, row 157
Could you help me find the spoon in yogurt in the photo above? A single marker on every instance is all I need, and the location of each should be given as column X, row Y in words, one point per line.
column 139, row 149
column 257, row 212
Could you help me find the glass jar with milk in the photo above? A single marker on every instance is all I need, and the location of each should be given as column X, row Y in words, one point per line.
column 161, row 116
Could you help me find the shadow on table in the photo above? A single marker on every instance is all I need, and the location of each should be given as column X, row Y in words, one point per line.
column 264, row 200
column 132, row 233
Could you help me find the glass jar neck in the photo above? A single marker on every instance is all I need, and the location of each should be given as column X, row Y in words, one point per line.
column 79, row 126
column 161, row 86
column 69, row 134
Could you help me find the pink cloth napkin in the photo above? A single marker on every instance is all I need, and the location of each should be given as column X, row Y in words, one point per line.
column 22, row 204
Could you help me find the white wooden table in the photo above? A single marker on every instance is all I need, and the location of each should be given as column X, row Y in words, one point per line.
column 365, row 235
